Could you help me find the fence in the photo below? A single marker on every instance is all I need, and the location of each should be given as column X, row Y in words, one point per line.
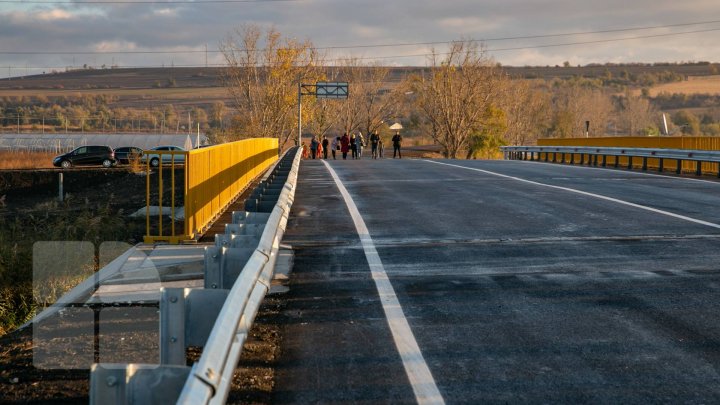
column 213, row 178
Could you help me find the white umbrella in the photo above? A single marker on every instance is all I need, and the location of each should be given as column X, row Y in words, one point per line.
column 396, row 126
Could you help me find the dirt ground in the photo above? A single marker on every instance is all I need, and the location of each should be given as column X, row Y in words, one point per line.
column 22, row 382
column 134, row 335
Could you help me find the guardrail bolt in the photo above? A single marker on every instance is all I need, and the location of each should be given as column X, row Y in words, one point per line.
column 173, row 299
column 111, row 381
column 209, row 373
column 173, row 339
column 214, row 285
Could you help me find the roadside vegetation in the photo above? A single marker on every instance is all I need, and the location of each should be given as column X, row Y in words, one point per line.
column 23, row 159
column 78, row 218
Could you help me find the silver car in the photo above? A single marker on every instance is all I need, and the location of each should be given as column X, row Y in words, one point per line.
column 165, row 157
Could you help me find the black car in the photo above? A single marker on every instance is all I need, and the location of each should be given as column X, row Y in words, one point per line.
column 86, row 155
column 127, row 153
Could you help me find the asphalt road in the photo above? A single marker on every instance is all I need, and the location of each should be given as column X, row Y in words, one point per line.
column 519, row 281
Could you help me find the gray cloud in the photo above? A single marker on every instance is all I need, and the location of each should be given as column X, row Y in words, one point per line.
column 74, row 28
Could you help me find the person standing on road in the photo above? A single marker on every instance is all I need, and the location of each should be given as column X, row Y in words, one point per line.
column 360, row 141
column 374, row 139
column 397, row 142
column 325, row 143
column 304, row 151
column 335, row 145
column 344, row 145
column 353, row 146
column 314, row 146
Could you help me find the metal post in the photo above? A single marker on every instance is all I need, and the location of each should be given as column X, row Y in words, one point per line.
column 630, row 163
column 661, row 164
column 698, row 169
column 604, row 160
column 678, row 169
column 60, row 186
column 644, row 165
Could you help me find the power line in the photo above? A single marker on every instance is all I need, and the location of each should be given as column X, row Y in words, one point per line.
column 336, row 60
column 100, row 2
column 526, row 36
column 389, row 45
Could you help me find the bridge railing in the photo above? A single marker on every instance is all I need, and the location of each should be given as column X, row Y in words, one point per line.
column 213, row 178
column 701, row 161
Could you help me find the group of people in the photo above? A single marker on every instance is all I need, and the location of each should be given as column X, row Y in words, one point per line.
column 352, row 144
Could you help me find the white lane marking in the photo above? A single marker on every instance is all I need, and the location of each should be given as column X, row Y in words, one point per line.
column 618, row 170
column 585, row 193
column 421, row 380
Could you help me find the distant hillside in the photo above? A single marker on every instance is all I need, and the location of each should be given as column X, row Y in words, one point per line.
column 118, row 78
column 138, row 78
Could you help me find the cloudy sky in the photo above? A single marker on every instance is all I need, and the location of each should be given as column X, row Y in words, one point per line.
column 44, row 35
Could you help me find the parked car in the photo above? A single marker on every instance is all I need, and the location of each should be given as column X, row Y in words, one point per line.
column 86, row 155
column 166, row 158
column 127, row 153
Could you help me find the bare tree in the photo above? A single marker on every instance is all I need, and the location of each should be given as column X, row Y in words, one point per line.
column 349, row 116
column 573, row 105
column 456, row 94
column 527, row 112
column 636, row 114
column 262, row 76
column 376, row 101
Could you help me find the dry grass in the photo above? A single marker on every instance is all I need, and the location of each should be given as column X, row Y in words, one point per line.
column 26, row 160
column 694, row 85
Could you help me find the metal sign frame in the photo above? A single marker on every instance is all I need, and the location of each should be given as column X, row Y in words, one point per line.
column 331, row 90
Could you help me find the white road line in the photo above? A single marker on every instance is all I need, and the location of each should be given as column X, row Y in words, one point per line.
column 421, row 380
column 585, row 193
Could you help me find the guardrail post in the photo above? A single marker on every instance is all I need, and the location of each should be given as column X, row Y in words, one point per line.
column 644, row 164
column 678, row 169
column 136, row 383
column 617, row 161
column 172, row 326
column 630, row 162
column 698, row 170
column 661, row 162
column 554, row 160
column 604, row 160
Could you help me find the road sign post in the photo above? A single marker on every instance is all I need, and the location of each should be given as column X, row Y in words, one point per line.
column 334, row 90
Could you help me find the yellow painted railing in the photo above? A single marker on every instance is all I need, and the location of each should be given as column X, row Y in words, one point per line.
column 679, row 142
column 213, row 178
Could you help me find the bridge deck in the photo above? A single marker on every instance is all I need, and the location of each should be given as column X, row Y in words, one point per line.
column 519, row 281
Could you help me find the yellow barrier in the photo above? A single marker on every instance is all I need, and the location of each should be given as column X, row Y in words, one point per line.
column 213, row 178
column 679, row 142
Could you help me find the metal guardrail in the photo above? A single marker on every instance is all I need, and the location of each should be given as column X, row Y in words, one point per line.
column 238, row 272
column 704, row 160
column 210, row 378
column 213, row 178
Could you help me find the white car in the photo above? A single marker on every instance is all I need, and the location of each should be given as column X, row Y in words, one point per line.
column 165, row 157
